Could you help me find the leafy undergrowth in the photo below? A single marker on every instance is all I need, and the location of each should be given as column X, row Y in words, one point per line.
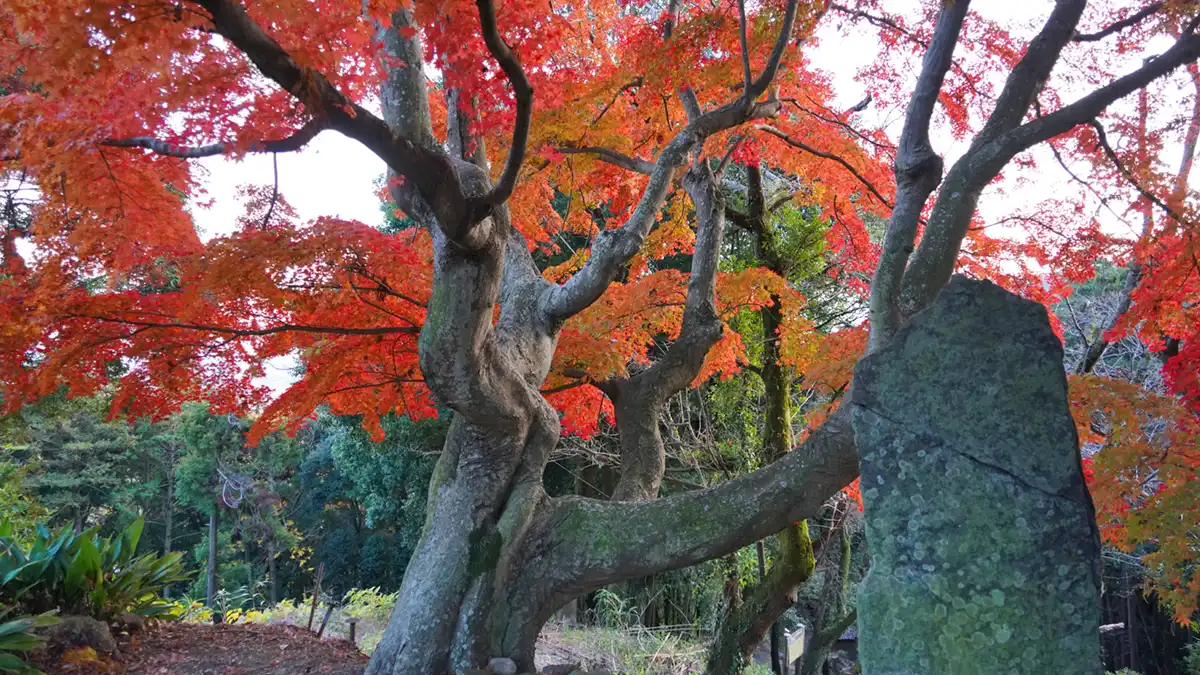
column 242, row 649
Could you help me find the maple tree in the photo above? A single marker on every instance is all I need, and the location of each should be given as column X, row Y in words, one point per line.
column 105, row 102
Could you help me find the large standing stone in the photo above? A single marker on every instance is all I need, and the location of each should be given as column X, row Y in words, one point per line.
column 984, row 550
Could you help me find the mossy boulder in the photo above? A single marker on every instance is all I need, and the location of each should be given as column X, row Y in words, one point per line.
column 73, row 632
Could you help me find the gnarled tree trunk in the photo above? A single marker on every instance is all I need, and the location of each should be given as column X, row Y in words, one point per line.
column 497, row 557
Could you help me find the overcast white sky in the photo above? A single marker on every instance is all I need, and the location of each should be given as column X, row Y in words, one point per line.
column 334, row 176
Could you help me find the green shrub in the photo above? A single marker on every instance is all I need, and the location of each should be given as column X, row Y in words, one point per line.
column 369, row 603
column 1191, row 662
column 84, row 573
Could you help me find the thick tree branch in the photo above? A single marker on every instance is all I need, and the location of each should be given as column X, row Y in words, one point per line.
column 741, row 220
column 1185, row 50
column 254, row 332
column 784, row 199
column 612, row 157
column 712, row 522
column 1028, row 77
column 759, row 86
column 826, row 155
column 1127, row 22
column 746, row 74
column 934, row 261
column 743, row 628
column 918, row 170
column 672, row 13
column 612, row 249
column 1094, row 351
column 429, row 168
column 638, row 400
column 522, row 90
column 290, row 144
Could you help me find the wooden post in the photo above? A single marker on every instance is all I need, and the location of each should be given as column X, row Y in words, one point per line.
column 353, row 623
column 325, row 620
column 316, row 594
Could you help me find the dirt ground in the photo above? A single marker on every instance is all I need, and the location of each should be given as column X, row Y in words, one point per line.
column 280, row 649
column 196, row 649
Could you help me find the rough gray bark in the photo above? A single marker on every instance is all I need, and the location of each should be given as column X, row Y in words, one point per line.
column 487, row 512
column 918, row 171
column 962, row 422
column 934, row 259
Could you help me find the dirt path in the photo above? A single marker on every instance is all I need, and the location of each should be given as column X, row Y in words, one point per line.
column 195, row 649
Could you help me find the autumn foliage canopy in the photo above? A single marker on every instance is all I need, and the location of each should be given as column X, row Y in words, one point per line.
column 105, row 281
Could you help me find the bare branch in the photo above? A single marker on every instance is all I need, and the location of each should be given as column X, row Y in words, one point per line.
column 733, row 146
column 1121, row 25
column 1189, row 142
column 1086, row 185
column 826, row 155
column 1028, row 77
column 612, row 157
column 612, row 249
column 934, row 261
column 632, row 84
column 254, row 332
column 1094, row 351
column 524, row 95
column 1102, row 139
column 266, row 221
column 830, row 119
column 759, row 86
column 429, row 168
column 290, row 144
column 884, row 22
